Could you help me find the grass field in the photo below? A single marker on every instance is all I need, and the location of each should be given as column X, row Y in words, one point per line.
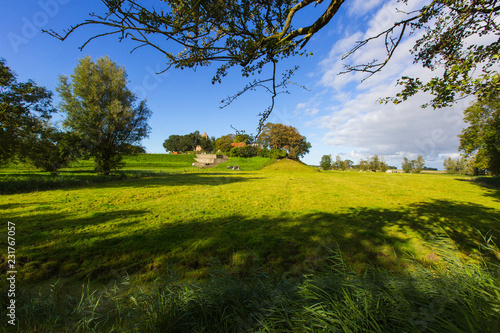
column 283, row 222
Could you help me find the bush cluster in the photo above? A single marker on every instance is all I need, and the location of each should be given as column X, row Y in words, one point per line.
column 253, row 151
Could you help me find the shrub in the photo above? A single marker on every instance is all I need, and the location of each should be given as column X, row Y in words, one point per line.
column 277, row 153
column 246, row 151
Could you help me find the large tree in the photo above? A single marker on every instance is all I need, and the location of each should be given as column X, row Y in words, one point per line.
column 482, row 138
column 102, row 111
column 176, row 143
column 253, row 33
column 24, row 108
column 279, row 136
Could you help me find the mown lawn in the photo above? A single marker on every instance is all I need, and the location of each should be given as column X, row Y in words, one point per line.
column 284, row 217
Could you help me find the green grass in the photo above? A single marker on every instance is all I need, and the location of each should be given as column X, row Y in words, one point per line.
column 166, row 162
column 22, row 178
column 281, row 221
column 245, row 164
column 33, row 181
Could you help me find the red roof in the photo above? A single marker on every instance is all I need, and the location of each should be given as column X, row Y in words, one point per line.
column 238, row 144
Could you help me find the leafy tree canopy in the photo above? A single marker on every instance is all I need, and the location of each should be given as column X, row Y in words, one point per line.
column 279, row 136
column 223, row 143
column 326, row 162
column 134, row 149
column 102, row 111
column 188, row 142
column 176, row 143
column 24, row 107
column 415, row 166
column 252, row 33
column 246, row 138
column 462, row 165
column 51, row 149
column 481, row 139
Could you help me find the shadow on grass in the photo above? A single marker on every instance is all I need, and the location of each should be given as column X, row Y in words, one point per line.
column 180, row 179
column 25, row 183
column 136, row 241
column 60, row 244
column 491, row 183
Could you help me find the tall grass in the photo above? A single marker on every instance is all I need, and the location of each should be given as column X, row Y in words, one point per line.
column 458, row 295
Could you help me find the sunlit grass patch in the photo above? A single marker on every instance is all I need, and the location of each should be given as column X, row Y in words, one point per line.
column 245, row 164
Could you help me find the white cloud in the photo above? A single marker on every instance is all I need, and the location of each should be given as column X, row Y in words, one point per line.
column 308, row 109
column 361, row 7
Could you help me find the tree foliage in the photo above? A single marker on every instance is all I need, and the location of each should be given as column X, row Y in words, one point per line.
column 481, row 139
column 347, row 164
column 252, row 33
column 279, row 136
column 102, row 111
column 451, row 40
column 246, row 138
column 134, row 149
column 206, row 143
column 24, row 107
column 373, row 163
column 413, row 166
column 326, row 162
column 176, row 143
column 188, row 142
column 463, row 165
column 419, row 164
column 407, row 165
column 52, row 149
column 223, row 143
column 337, row 164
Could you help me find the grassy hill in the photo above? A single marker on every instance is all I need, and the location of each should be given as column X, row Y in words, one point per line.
column 286, row 165
column 245, row 164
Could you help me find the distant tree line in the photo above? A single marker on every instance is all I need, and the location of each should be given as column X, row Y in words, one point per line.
column 479, row 142
column 103, row 118
column 373, row 163
column 275, row 141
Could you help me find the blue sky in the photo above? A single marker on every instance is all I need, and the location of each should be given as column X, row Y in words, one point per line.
column 339, row 115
